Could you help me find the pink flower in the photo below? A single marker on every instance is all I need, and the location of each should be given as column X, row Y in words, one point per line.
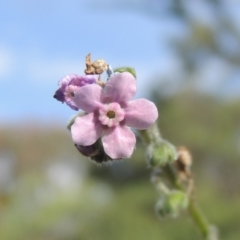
column 69, row 84
column 110, row 114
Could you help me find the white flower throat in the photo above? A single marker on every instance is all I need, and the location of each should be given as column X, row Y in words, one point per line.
column 111, row 114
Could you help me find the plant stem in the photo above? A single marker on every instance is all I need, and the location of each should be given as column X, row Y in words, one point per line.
column 152, row 135
column 198, row 218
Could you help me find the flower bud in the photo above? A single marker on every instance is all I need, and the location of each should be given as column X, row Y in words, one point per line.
column 161, row 154
column 88, row 151
column 68, row 86
column 94, row 151
column 171, row 204
column 101, row 156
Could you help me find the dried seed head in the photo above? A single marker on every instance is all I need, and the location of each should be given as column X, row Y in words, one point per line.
column 184, row 163
column 89, row 68
column 100, row 66
column 184, row 156
column 97, row 67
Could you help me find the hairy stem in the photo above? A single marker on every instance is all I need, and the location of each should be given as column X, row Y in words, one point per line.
column 152, row 135
column 198, row 218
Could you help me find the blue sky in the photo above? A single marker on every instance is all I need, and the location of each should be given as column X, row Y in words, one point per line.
column 42, row 41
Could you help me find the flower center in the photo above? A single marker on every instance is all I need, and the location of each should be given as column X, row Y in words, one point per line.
column 111, row 114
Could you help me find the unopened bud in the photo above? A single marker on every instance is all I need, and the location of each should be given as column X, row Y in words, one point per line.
column 101, row 157
column 88, row 151
column 171, row 204
column 94, row 151
column 161, row 154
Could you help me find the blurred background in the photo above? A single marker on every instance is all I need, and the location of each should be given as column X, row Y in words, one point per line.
column 187, row 58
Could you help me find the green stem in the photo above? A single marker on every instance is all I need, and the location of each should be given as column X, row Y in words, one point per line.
column 171, row 175
column 199, row 218
column 152, row 135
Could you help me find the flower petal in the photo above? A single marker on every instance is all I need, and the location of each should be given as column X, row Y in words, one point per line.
column 72, row 105
column 140, row 114
column 120, row 88
column 119, row 142
column 88, row 98
column 63, row 82
column 86, row 130
column 83, row 80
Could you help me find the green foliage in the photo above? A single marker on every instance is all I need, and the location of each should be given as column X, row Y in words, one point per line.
column 117, row 201
column 126, row 69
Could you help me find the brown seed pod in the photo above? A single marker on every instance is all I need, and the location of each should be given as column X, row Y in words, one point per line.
column 99, row 66
column 89, row 68
column 184, row 162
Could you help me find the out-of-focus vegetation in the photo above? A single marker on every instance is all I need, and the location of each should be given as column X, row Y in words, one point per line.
column 54, row 193
column 49, row 192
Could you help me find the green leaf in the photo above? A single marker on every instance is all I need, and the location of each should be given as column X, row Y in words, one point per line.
column 126, row 69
